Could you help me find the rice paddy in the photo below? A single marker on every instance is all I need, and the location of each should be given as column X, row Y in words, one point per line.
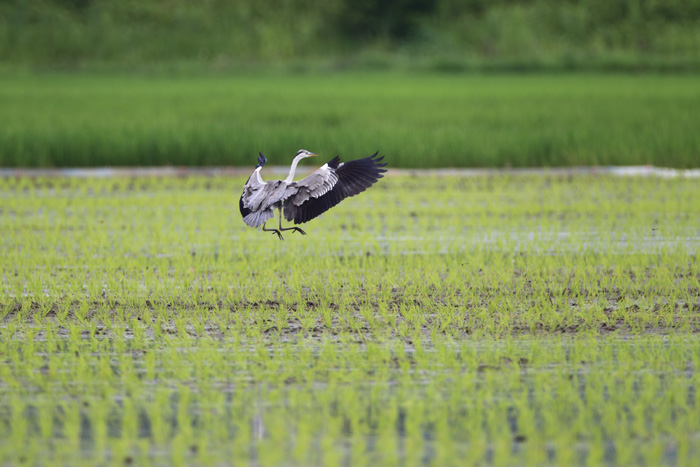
column 420, row 119
column 433, row 320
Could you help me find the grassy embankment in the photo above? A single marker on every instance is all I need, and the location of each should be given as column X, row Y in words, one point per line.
column 486, row 320
column 419, row 120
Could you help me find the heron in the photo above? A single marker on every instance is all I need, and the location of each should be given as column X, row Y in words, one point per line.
column 309, row 197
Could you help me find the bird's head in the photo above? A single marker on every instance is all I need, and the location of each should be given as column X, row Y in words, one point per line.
column 261, row 161
column 302, row 153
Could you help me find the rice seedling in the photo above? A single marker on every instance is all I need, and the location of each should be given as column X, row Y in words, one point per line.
column 435, row 320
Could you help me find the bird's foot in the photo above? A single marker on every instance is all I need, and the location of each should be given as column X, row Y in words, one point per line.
column 295, row 229
column 278, row 232
column 275, row 231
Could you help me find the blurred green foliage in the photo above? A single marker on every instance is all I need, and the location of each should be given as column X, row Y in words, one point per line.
column 448, row 34
column 416, row 119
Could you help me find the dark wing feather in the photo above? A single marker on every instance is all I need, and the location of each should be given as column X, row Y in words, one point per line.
column 244, row 210
column 354, row 177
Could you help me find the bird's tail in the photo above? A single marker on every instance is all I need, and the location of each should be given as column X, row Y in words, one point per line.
column 258, row 218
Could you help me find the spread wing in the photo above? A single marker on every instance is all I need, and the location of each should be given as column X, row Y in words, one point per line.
column 312, row 196
column 253, row 206
column 251, row 193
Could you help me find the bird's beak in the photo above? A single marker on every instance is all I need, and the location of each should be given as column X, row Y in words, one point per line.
column 311, row 154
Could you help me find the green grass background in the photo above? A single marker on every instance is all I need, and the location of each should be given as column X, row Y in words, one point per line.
column 416, row 119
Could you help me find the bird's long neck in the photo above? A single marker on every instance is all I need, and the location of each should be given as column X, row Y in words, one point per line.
column 293, row 169
column 257, row 174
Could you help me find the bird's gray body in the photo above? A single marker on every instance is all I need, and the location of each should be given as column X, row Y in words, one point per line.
column 305, row 199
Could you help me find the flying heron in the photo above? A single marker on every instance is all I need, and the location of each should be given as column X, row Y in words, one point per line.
column 309, row 197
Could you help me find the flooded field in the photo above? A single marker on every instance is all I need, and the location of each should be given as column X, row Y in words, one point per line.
column 435, row 320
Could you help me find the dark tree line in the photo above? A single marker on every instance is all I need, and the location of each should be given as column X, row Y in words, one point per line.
column 47, row 31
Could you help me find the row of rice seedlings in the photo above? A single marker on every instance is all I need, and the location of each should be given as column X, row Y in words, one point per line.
column 416, row 294
column 141, row 320
column 72, row 257
column 564, row 288
column 514, row 400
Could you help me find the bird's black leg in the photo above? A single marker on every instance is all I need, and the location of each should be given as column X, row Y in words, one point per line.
column 295, row 229
column 279, row 234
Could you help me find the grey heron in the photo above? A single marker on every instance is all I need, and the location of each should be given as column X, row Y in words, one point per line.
column 309, row 197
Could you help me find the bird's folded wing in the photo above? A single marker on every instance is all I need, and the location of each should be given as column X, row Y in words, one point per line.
column 251, row 191
column 329, row 185
column 254, row 204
